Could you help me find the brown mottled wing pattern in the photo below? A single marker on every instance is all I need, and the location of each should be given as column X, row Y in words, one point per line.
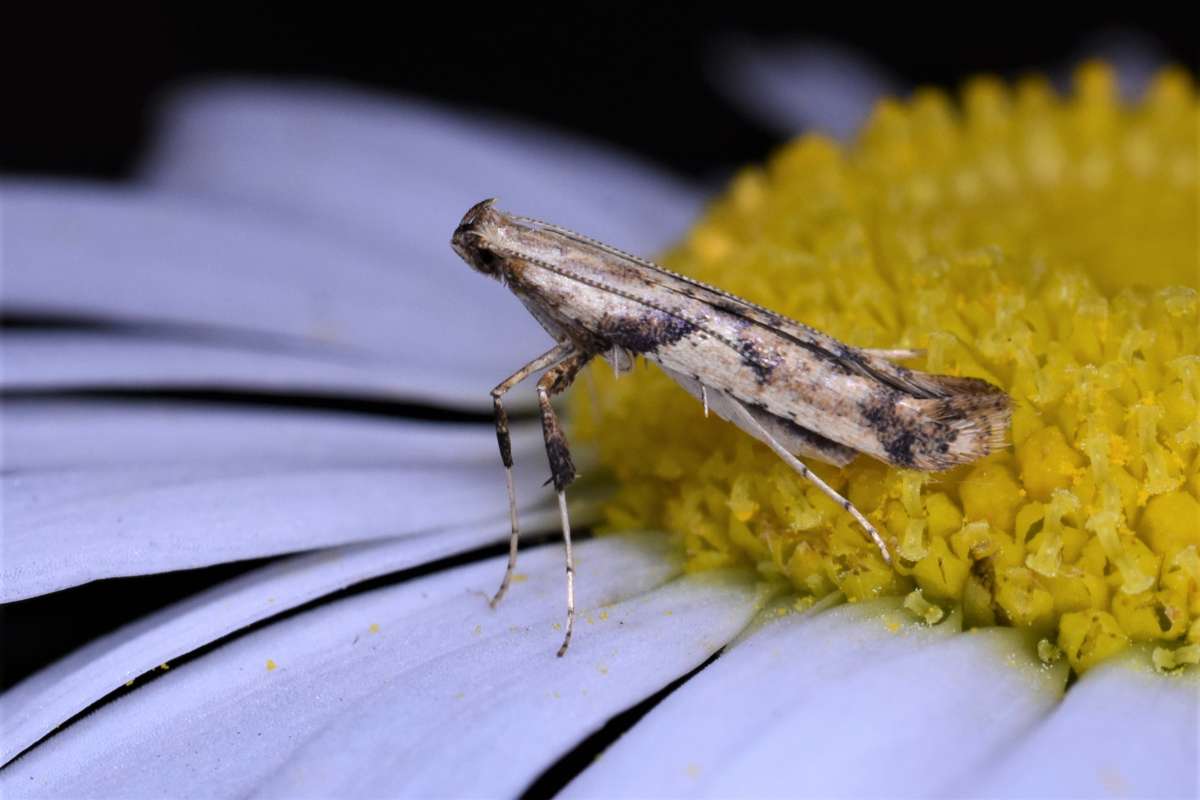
column 917, row 384
column 920, row 419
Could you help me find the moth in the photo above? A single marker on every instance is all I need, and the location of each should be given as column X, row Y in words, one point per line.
column 802, row 393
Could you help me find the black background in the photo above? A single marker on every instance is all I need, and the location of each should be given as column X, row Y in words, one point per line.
column 83, row 79
column 82, row 82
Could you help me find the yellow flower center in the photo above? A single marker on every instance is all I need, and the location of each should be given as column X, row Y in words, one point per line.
column 1046, row 244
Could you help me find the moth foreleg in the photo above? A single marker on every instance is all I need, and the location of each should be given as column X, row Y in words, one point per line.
column 502, row 438
column 562, row 468
column 747, row 420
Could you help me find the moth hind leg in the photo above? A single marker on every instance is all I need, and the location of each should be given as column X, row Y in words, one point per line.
column 562, row 467
column 747, row 421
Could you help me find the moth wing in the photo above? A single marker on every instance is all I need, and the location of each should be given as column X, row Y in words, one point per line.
column 977, row 412
column 876, row 364
column 797, row 440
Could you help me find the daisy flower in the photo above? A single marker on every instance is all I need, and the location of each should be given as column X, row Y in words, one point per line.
column 287, row 246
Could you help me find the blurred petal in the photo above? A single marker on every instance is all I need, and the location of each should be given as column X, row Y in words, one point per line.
column 857, row 701
column 398, row 173
column 923, row 721
column 36, row 706
column 48, row 434
column 250, row 484
column 44, row 360
column 245, row 280
column 1122, row 731
column 809, row 85
column 227, row 721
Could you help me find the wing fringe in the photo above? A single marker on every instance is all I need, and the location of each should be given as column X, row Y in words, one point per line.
column 978, row 416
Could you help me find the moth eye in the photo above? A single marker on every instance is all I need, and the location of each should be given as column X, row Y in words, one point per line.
column 488, row 260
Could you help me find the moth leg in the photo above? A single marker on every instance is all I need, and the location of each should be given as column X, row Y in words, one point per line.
column 541, row 362
column 898, row 354
column 562, row 468
column 749, row 421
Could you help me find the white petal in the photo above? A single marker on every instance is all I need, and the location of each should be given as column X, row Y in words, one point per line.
column 758, row 679
column 855, row 702
column 926, row 720
column 245, row 280
column 97, row 490
column 63, row 528
column 45, row 700
column 1122, row 731
column 486, row 720
column 810, row 85
column 224, row 723
column 49, row 434
column 400, row 173
column 40, row 361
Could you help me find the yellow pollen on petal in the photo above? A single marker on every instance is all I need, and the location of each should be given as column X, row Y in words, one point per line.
column 1048, row 652
column 922, row 609
column 1048, row 244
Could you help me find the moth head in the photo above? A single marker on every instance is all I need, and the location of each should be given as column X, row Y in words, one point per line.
column 471, row 239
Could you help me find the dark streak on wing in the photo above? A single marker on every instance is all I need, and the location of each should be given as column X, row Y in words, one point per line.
column 652, row 330
column 762, row 364
column 897, row 437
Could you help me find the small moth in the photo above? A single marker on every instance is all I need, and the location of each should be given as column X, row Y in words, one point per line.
column 799, row 391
